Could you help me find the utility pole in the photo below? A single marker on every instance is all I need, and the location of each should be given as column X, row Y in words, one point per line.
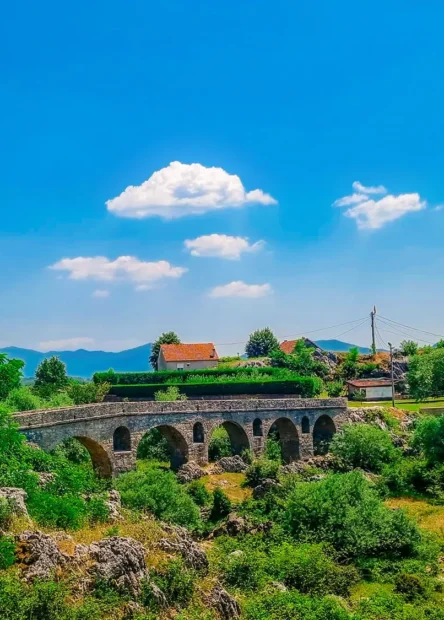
column 372, row 316
column 391, row 374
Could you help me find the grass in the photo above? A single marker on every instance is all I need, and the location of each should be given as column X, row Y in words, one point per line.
column 407, row 404
column 230, row 483
column 427, row 516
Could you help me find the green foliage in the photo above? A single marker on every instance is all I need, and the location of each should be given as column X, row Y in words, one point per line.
column 50, row 376
column 349, row 369
column 345, row 511
column 426, row 375
column 410, row 586
column 293, row 606
column 172, row 393
column 153, row 446
column 199, row 492
column 159, row 492
column 7, row 552
column 72, row 450
column 5, row 513
column 23, row 399
column 301, row 361
column 273, row 448
column 221, row 505
column 428, row 437
column 260, row 470
column 245, row 569
column 335, row 388
column 408, row 347
column 176, row 582
column 261, row 343
column 415, row 475
column 363, row 445
column 220, row 444
column 88, row 392
column 165, row 338
column 50, row 510
column 10, row 374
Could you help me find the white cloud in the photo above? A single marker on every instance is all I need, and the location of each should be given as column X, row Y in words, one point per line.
column 222, row 246
column 143, row 287
column 378, row 189
column 66, row 344
column 123, row 268
column 184, row 189
column 371, row 213
column 240, row 289
column 100, row 293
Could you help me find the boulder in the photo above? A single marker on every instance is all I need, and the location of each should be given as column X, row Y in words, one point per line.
column 225, row 604
column 235, row 525
column 45, row 478
column 265, row 486
column 114, row 505
column 16, row 499
column 194, row 556
column 121, row 561
column 190, row 471
column 232, row 464
column 38, row 555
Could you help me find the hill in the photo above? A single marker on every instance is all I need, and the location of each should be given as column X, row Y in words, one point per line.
column 339, row 347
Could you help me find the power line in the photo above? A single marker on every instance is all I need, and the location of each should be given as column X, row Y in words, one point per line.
column 403, row 333
column 413, row 328
column 380, row 338
column 352, row 328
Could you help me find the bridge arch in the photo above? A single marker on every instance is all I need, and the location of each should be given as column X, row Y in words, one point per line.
column 305, row 425
column 198, row 433
column 177, row 445
column 286, row 433
column 122, row 439
column 99, row 456
column 238, row 438
column 258, row 430
column 323, row 432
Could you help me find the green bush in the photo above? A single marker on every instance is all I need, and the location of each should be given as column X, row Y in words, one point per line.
column 428, row 437
column 220, row 444
column 363, row 445
column 199, row 492
column 153, row 446
column 10, row 374
column 66, row 512
column 410, row 475
column 175, row 581
column 89, row 392
column 345, row 511
column 335, row 389
column 171, row 393
column 23, row 399
column 292, row 605
column 245, row 569
column 221, row 505
column 410, row 586
column 260, row 470
column 7, row 552
column 159, row 492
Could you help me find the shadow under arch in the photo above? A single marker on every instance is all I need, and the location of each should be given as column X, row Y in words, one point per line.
column 285, row 431
column 99, row 456
column 122, row 439
column 323, row 432
column 176, row 444
column 237, row 437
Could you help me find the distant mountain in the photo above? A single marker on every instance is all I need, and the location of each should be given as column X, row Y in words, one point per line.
column 339, row 347
column 82, row 363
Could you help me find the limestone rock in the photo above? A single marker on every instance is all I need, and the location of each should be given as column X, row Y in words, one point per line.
column 45, row 478
column 265, row 486
column 16, row 499
column 232, row 464
column 190, row 471
column 235, row 525
column 194, row 556
column 114, row 505
column 224, row 603
column 121, row 561
column 38, row 554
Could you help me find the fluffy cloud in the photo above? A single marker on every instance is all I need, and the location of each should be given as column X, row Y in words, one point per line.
column 100, row 293
column 66, row 344
column 123, row 268
column 222, row 246
column 185, row 189
column 373, row 213
column 240, row 289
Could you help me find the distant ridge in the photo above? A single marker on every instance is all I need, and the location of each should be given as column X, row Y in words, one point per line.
column 82, row 363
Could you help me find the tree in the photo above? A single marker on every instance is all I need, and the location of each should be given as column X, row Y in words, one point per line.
column 426, row 375
column 261, row 343
column 408, row 347
column 50, row 375
column 364, row 446
column 440, row 344
column 165, row 338
column 429, row 438
column 350, row 368
column 10, row 374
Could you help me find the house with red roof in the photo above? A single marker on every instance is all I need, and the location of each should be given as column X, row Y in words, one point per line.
column 187, row 356
column 369, row 389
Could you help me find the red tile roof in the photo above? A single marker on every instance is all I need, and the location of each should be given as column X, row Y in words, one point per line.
column 189, row 352
column 364, row 383
column 288, row 346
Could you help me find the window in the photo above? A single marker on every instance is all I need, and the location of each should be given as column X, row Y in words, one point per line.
column 179, row 366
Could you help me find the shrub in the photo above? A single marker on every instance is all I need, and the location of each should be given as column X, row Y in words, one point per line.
column 273, row 449
column 175, row 581
column 199, row 492
column 221, row 505
column 410, row 586
column 153, row 446
column 260, row 470
column 10, row 374
column 245, row 569
column 72, row 450
column 7, row 552
column 172, row 393
column 65, row 512
column 23, row 399
column 345, row 511
column 293, row 606
column 429, row 438
column 50, row 376
column 335, row 388
column 89, row 392
column 220, row 444
column 158, row 491
column 408, row 347
column 58, row 399
column 363, row 445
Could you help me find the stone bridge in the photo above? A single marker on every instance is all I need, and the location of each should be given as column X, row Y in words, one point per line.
column 112, row 431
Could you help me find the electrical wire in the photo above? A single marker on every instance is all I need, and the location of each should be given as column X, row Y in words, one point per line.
column 380, row 338
column 413, row 328
column 352, row 328
column 403, row 333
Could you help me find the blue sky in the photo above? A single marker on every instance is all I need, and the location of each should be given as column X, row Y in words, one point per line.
column 298, row 100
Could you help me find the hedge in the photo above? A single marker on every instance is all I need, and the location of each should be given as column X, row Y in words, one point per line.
column 163, row 376
column 307, row 387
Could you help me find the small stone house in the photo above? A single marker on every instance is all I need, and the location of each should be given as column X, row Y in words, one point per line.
column 369, row 389
column 187, row 356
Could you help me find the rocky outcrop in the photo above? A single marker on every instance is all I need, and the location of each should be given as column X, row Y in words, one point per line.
column 235, row 525
column 38, row 555
column 45, row 478
column 225, row 604
column 190, row 471
column 114, row 506
column 232, row 464
column 120, row 561
column 266, row 485
column 194, row 556
column 16, row 499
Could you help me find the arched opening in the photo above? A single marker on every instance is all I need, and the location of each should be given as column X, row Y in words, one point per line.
column 258, row 431
column 227, row 439
column 323, row 431
column 99, row 457
column 305, row 424
column 122, row 440
column 198, row 433
column 285, row 432
column 164, row 443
